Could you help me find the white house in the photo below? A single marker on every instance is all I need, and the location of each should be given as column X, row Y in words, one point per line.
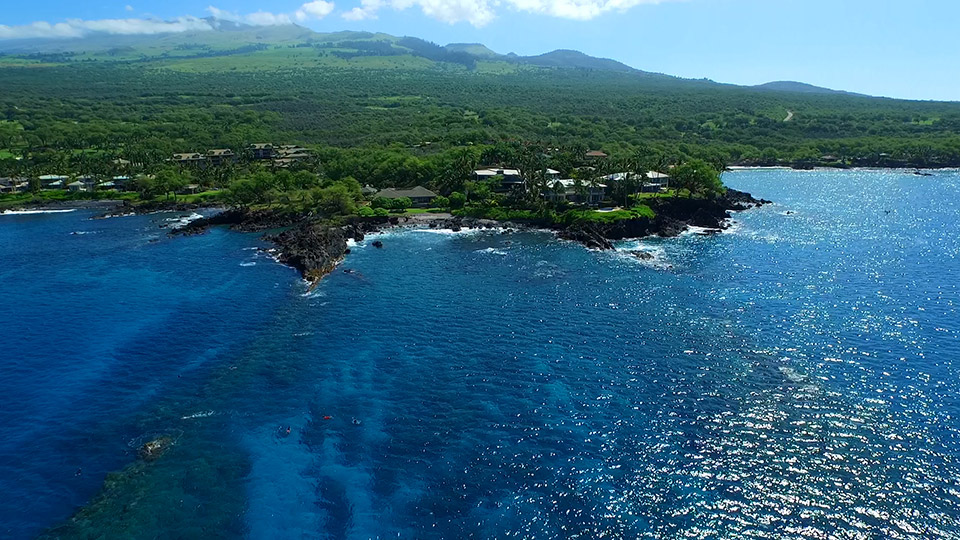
column 575, row 191
column 655, row 182
column 510, row 178
column 78, row 185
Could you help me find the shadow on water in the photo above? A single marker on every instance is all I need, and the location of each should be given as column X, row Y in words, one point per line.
column 197, row 487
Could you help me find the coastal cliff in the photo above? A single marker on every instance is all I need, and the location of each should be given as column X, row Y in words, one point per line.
column 672, row 216
column 315, row 246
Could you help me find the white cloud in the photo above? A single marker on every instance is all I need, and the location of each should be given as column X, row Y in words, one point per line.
column 73, row 28
column 265, row 18
column 577, row 9
column 475, row 12
column 317, row 9
column 481, row 12
column 366, row 10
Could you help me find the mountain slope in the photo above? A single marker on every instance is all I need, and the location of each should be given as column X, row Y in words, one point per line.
column 565, row 58
column 474, row 49
column 799, row 87
column 235, row 46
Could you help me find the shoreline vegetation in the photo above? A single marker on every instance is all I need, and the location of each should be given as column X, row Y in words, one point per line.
column 316, row 246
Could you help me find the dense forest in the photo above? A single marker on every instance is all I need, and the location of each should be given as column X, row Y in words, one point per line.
column 401, row 106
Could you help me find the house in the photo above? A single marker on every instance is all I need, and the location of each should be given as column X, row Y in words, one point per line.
column 575, row 191
column 509, row 178
column 52, row 181
column 192, row 159
column 220, row 156
column 190, row 189
column 654, row 182
column 121, row 182
column 14, row 185
column 368, row 191
column 262, row 151
column 420, row 195
column 77, row 186
column 594, row 155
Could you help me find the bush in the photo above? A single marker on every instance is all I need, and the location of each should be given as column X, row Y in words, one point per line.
column 441, row 202
column 381, row 212
column 366, row 211
column 457, row 200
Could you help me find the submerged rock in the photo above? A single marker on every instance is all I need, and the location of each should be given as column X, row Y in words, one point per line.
column 152, row 450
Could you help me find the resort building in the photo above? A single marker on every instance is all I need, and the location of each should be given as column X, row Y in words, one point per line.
column 420, row 195
column 289, row 154
column 192, row 159
column 262, row 151
column 594, row 155
column 221, row 156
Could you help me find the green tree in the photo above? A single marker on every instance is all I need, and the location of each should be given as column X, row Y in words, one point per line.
column 698, row 177
column 457, row 200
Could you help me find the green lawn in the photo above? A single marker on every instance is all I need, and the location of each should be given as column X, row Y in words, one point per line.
column 16, row 200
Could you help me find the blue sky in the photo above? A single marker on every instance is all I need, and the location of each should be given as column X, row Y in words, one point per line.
column 905, row 48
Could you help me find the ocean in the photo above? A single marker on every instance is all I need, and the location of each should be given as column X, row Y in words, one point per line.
column 796, row 376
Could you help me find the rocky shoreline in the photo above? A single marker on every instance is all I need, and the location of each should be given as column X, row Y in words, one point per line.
column 315, row 247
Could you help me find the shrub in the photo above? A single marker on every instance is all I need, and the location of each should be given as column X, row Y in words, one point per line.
column 457, row 200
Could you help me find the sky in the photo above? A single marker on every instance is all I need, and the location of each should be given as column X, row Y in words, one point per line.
column 896, row 48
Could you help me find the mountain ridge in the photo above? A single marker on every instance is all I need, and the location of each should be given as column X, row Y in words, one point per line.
column 233, row 38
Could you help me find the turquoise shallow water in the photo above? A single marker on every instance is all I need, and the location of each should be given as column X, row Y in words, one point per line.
column 795, row 377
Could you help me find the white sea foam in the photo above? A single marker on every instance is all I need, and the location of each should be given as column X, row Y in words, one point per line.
column 250, row 263
column 315, row 293
column 182, row 221
column 462, row 232
column 657, row 255
column 203, row 414
column 28, row 212
column 693, row 230
column 492, row 251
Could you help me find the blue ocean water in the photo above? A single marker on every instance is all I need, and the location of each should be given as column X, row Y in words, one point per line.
column 795, row 377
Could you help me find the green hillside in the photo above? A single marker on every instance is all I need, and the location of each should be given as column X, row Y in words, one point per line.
column 152, row 96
